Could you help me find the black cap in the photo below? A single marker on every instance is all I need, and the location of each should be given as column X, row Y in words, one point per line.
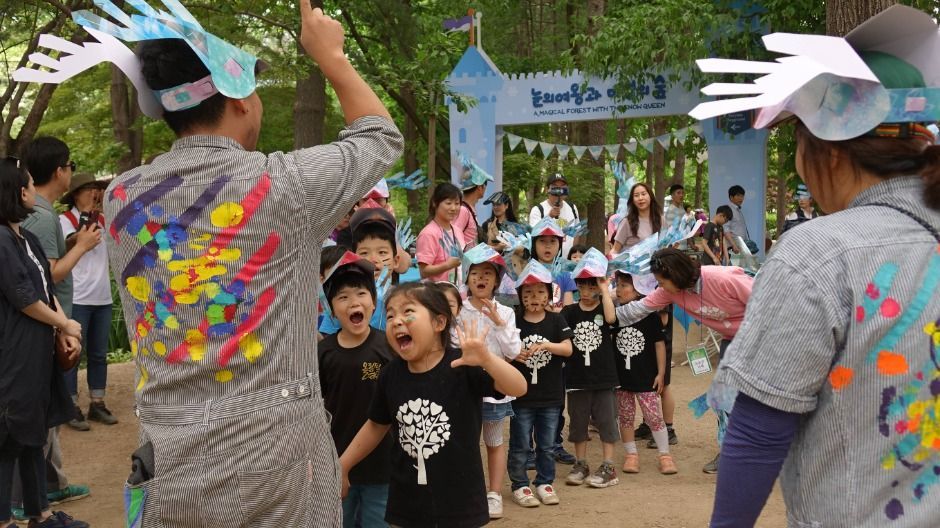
column 349, row 263
column 556, row 177
column 498, row 197
column 373, row 216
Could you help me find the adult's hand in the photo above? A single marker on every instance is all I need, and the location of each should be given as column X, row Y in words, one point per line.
column 72, row 328
column 321, row 36
column 555, row 211
column 88, row 237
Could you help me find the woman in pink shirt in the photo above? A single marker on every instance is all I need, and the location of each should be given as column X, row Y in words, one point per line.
column 439, row 244
column 716, row 296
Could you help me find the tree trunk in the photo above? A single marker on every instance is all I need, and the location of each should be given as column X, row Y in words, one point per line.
column 309, row 103
column 125, row 116
column 843, row 16
column 699, row 169
column 678, row 173
column 595, row 134
column 659, row 161
column 411, row 152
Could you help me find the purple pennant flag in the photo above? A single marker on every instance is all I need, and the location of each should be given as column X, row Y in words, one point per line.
column 458, row 24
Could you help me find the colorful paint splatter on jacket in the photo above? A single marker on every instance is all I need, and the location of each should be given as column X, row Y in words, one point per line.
column 197, row 265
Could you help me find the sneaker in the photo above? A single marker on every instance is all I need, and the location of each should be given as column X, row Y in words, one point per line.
column 99, row 413
column 578, row 473
column 58, row 520
column 712, row 467
column 495, row 502
column 605, row 476
column 667, row 466
column 78, row 422
column 72, row 492
column 673, row 439
column 643, row 432
column 524, row 497
column 547, row 495
column 631, row 463
column 564, row 457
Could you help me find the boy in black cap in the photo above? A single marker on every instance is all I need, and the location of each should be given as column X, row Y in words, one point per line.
column 350, row 362
column 557, row 207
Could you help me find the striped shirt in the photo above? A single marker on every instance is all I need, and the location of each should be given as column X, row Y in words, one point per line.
column 843, row 326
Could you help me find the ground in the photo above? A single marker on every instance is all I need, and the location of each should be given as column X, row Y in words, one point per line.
column 101, row 459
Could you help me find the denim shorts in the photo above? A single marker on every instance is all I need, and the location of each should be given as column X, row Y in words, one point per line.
column 495, row 412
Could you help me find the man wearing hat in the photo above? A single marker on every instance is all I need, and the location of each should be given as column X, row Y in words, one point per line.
column 91, row 297
column 557, row 207
column 804, row 211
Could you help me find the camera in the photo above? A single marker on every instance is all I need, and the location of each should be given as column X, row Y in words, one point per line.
column 558, row 191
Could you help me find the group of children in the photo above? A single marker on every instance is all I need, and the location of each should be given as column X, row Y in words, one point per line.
column 409, row 407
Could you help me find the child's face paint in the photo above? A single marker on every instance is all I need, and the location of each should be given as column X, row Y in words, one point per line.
column 589, row 290
column 535, row 297
column 481, row 281
column 377, row 251
column 411, row 330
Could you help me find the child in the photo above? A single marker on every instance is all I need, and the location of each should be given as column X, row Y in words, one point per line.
column 577, row 251
column 350, row 362
column 429, row 397
column 453, row 297
column 329, row 256
column 484, row 268
column 547, row 239
column 439, row 244
column 642, row 372
column 713, row 237
column 592, row 375
column 546, row 339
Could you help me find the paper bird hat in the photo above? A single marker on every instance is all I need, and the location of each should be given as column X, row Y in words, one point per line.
column 352, row 263
column 829, row 82
column 534, row 273
column 481, row 253
column 547, row 227
column 473, row 174
column 379, row 191
column 593, row 264
column 231, row 70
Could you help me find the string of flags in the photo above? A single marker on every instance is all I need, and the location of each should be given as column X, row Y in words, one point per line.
column 546, row 148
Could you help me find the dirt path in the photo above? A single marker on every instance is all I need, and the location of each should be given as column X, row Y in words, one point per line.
column 101, row 459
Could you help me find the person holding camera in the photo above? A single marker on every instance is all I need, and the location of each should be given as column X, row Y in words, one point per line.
column 91, row 296
column 557, row 207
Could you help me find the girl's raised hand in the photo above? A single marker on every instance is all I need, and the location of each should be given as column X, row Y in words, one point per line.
column 472, row 345
column 489, row 309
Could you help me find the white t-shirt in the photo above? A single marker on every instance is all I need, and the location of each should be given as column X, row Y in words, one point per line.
column 90, row 277
column 565, row 217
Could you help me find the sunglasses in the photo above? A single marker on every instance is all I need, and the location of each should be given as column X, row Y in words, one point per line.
column 70, row 165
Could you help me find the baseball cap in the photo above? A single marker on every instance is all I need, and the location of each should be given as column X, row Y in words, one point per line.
column 369, row 216
column 556, row 177
column 348, row 263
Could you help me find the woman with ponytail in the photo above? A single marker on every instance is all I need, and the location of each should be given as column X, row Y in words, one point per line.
column 836, row 366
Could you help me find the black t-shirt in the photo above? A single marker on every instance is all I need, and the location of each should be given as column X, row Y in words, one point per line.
column 591, row 366
column 436, row 419
column 543, row 371
column 636, row 347
column 714, row 236
column 348, row 378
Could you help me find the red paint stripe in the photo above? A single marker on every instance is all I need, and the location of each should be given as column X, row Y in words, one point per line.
column 250, row 204
column 259, row 258
column 248, row 325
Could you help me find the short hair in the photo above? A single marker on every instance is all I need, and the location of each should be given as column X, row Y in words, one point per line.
column 735, row 190
column 586, row 281
column 349, row 278
column 520, row 308
column 329, row 256
column 374, row 230
column 168, row 63
column 443, row 191
column 13, row 179
column 43, row 156
column 577, row 248
column 725, row 210
column 673, row 264
column 431, row 296
column 675, row 187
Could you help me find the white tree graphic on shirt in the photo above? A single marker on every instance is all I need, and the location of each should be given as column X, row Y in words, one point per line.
column 587, row 339
column 423, row 429
column 538, row 359
column 630, row 343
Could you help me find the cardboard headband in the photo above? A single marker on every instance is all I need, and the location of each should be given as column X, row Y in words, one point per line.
column 231, row 70
column 379, row 191
column 547, row 227
column 473, row 174
column 593, row 264
column 534, row 273
column 483, row 253
column 826, row 84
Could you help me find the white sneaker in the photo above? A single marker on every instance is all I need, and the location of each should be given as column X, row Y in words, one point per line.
column 523, row 497
column 547, row 494
column 495, row 502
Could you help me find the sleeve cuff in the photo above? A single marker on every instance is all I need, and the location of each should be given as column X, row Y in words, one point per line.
column 765, row 393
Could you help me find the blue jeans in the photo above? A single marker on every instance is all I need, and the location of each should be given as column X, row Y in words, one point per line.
column 545, row 422
column 96, row 329
column 364, row 506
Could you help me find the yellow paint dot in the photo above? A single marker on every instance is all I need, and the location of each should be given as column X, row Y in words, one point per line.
column 142, row 377
column 139, row 288
column 197, row 345
column 172, row 322
column 142, row 330
column 228, row 214
column 159, row 348
column 224, row 376
column 251, row 347
column 144, row 351
column 134, row 348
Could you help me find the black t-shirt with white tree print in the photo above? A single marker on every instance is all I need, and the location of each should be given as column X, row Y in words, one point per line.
column 591, row 366
column 436, row 419
column 543, row 371
column 636, row 353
